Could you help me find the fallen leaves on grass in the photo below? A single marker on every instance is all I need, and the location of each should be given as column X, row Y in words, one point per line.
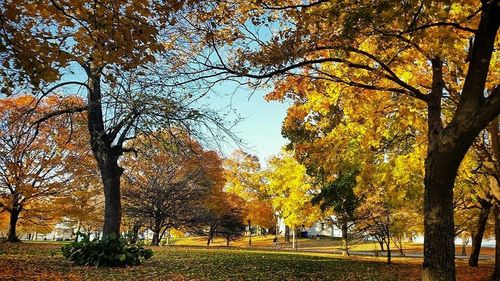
column 43, row 261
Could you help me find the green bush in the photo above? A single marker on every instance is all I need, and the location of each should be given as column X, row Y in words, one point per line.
column 109, row 251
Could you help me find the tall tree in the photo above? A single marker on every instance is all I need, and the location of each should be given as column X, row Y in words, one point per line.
column 339, row 196
column 244, row 177
column 438, row 54
column 166, row 185
column 487, row 155
column 83, row 206
column 32, row 158
column 125, row 57
column 221, row 215
column 289, row 188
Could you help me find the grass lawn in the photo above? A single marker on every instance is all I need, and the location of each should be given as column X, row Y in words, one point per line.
column 43, row 261
column 308, row 244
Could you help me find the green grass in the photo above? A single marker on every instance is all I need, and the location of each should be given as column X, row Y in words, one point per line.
column 323, row 244
column 43, row 261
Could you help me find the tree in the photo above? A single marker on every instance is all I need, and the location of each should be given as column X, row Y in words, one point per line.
column 332, row 135
column 231, row 226
column 244, row 178
column 339, row 196
column 83, row 205
column 166, row 184
column 486, row 153
column 127, row 58
column 437, row 54
column 32, row 159
column 289, row 188
column 219, row 217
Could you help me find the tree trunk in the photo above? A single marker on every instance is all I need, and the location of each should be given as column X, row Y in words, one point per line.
column 388, row 232
column 211, row 234
column 156, row 237
column 439, row 247
column 227, row 242
column 287, row 234
column 398, row 242
column 381, row 243
column 168, row 236
column 14, row 216
column 389, row 253
column 249, row 233
column 294, row 243
column 78, row 226
column 477, row 239
column 135, row 233
column 464, row 244
column 496, row 270
column 110, row 174
column 345, row 241
column 106, row 152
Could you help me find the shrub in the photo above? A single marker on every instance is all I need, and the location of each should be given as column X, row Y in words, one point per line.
column 109, row 251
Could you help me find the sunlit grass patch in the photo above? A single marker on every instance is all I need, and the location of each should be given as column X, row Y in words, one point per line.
column 45, row 262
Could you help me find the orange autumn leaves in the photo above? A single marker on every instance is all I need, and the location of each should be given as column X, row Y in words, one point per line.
column 38, row 161
column 44, row 37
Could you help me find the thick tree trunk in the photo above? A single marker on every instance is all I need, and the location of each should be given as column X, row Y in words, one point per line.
column 439, row 246
column 447, row 146
column 110, row 174
column 496, row 271
column 477, row 239
column 106, row 151
column 14, row 216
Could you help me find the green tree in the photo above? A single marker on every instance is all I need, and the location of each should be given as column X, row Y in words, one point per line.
column 339, row 196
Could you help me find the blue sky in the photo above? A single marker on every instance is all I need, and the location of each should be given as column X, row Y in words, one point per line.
column 260, row 129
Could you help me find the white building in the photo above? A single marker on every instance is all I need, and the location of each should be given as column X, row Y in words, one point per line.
column 320, row 228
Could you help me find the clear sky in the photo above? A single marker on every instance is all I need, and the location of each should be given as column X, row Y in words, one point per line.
column 260, row 128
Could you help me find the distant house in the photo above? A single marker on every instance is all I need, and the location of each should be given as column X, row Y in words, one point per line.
column 63, row 231
column 324, row 229
column 320, row 228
